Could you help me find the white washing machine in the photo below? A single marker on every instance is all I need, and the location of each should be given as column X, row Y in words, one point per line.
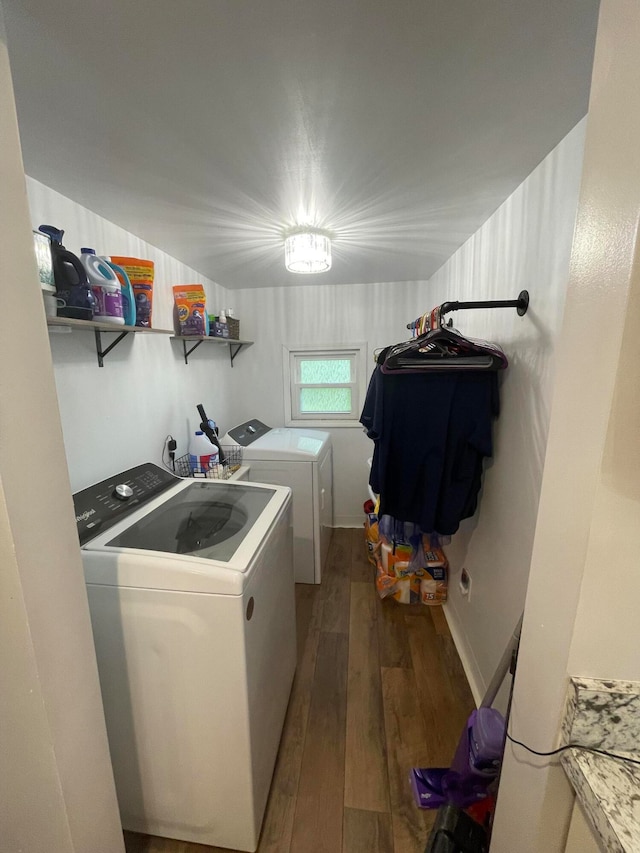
column 191, row 591
column 303, row 460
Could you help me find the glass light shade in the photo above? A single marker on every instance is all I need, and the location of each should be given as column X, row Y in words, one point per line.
column 307, row 252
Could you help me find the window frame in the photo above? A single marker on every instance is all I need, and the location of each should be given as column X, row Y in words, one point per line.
column 293, row 354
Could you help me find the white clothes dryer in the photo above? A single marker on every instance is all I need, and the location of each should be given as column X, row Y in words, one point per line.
column 303, row 460
column 191, row 593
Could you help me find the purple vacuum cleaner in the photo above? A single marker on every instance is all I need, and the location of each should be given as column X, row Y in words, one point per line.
column 475, row 765
column 478, row 756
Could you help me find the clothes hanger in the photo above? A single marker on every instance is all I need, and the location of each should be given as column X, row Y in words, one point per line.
column 438, row 347
column 443, row 349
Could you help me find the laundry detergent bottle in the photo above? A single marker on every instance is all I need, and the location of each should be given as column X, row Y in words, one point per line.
column 128, row 299
column 203, row 455
column 72, row 286
column 105, row 286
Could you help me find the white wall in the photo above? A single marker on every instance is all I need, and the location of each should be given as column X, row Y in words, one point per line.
column 325, row 314
column 118, row 416
column 610, row 589
column 525, row 245
column 581, row 607
column 56, row 789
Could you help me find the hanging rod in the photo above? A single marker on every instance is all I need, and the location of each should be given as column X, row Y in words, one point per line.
column 520, row 304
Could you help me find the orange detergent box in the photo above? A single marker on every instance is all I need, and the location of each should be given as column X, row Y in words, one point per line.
column 141, row 274
column 190, row 314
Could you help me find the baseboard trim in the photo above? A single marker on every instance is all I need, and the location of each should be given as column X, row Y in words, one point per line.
column 467, row 658
column 348, row 521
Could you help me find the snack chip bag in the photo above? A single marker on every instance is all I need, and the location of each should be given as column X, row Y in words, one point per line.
column 411, row 575
column 433, row 587
column 385, row 584
column 402, row 592
column 372, row 537
column 398, row 560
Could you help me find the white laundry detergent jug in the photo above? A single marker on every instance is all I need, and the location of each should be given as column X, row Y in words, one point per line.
column 203, row 455
column 106, row 288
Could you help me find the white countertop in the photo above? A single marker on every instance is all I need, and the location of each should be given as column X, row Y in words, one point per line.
column 606, row 715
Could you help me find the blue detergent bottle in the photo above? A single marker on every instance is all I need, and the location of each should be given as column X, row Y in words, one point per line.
column 128, row 299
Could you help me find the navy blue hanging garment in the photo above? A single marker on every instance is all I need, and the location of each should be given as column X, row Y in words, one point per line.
column 432, row 431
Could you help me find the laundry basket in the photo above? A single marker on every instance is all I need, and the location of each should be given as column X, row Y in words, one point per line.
column 219, row 471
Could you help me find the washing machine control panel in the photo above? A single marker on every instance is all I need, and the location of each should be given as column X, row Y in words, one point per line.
column 122, row 492
column 248, row 432
column 100, row 506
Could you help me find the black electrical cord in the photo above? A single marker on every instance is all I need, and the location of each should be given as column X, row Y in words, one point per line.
column 169, row 446
column 573, row 746
column 512, row 669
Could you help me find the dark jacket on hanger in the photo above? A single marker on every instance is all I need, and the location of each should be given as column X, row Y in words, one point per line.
column 432, row 431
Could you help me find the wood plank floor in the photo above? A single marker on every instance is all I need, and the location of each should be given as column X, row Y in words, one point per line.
column 379, row 689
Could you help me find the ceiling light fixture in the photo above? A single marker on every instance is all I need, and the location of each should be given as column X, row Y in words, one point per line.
column 307, row 251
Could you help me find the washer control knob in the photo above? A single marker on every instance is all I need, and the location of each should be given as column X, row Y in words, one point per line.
column 123, row 492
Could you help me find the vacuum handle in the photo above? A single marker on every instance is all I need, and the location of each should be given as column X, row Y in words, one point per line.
column 206, row 429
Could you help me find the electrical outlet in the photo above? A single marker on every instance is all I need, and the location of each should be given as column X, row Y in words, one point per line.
column 465, row 584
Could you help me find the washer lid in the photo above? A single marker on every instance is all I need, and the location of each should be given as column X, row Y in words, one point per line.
column 201, row 536
column 286, row 444
column 198, row 522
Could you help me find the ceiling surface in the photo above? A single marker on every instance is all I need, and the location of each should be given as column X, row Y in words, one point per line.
column 209, row 127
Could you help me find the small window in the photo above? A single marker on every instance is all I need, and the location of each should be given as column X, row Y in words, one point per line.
column 325, row 386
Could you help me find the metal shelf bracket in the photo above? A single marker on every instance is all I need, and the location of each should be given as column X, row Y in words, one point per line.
column 234, row 347
column 101, row 353
column 234, row 352
column 187, row 352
